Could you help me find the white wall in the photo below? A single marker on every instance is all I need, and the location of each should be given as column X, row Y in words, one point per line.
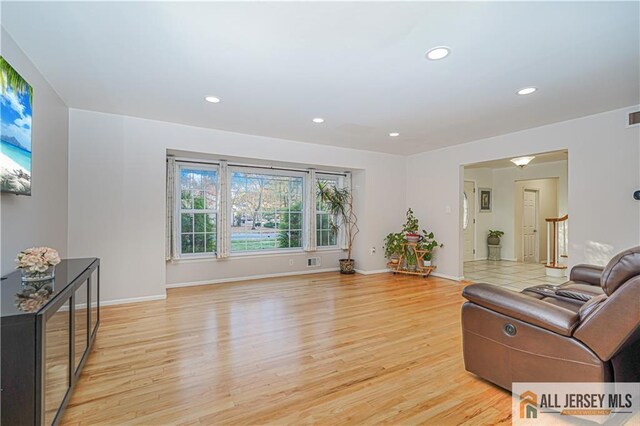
column 41, row 219
column 117, row 199
column 604, row 160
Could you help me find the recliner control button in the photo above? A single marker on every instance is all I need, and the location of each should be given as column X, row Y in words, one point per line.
column 510, row 329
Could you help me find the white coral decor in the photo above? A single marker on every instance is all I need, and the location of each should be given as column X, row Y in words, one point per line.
column 37, row 259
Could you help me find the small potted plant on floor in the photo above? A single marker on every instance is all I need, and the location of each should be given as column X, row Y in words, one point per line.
column 393, row 245
column 411, row 228
column 494, row 237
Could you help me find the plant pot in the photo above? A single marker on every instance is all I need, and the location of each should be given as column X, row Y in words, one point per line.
column 427, row 263
column 413, row 238
column 34, row 277
column 394, row 260
column 493, row 241
column 346, row 266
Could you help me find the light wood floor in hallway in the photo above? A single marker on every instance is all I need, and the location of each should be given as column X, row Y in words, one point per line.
column 313, row 349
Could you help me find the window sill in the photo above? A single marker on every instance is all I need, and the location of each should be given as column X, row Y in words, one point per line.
column 255, row 255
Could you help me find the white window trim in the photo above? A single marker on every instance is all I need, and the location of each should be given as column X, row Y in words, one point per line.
column 263, row 171
column 336, row 246
column 177, row 228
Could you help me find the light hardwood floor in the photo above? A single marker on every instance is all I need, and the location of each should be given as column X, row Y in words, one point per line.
column 322, row 349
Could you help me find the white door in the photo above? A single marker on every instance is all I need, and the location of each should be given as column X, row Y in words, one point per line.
column 529, row 226
column 468, row 220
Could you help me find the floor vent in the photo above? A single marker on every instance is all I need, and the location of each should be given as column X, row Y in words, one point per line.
column 313, row 261
column 634, row 119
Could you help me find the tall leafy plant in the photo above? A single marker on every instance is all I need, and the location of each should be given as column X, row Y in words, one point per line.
column 339, row 202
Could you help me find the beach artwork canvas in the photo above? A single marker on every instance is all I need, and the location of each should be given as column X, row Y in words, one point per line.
column 15, row 132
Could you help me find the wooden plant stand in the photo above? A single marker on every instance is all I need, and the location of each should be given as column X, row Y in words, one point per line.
column 424, row 271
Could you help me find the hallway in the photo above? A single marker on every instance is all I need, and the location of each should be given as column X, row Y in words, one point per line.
column 514, row 276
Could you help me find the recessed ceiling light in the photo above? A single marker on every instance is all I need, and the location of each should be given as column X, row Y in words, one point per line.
column 318, row 120
column 437, row 53
column 526, row 91
column 394, row 134
column 212, row 99
column 522, row 161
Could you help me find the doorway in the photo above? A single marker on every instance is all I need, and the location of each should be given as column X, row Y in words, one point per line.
column 469, row 219
column 530, row 240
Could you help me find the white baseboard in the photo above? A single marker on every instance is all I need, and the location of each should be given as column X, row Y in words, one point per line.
column 133, row 300
column 446, row 277
column 435, row 274
column 250, row 277
column 374, row 271
column 477, row 258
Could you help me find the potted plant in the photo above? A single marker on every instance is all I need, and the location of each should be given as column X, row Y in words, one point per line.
column 428, row 244
column 494, row 237
column 393, row 245
column 411, row 227
column 339, row 202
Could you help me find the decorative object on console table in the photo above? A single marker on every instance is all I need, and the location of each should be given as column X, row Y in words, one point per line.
column 485, row 200
column 47, row 330
column 37, row 264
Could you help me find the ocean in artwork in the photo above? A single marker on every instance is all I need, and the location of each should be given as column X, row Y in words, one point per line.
column 15, row 131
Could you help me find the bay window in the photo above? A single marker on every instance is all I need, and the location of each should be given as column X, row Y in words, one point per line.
column 224, row 210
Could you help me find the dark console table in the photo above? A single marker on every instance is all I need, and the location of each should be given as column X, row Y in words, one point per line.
column 47, row 332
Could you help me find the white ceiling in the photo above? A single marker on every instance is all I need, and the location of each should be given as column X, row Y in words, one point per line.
column 360, row 66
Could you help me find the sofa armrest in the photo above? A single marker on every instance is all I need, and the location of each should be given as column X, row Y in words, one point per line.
column 589, row 274
column 523, row 307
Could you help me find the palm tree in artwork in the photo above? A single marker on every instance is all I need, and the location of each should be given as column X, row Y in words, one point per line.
column 10, row 78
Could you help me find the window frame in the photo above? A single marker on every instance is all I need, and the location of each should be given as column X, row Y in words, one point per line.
column 268, row 172
column 336, row 246
column 178, row 207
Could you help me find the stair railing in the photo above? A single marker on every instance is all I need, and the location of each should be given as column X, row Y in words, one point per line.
column 557, row 240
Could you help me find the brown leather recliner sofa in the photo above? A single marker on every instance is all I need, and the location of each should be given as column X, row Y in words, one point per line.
column 586, row 330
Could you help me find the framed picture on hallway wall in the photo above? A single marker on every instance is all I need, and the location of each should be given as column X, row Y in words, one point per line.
column 485, row 200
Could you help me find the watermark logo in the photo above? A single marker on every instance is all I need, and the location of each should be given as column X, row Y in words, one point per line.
column 575, row 403
column 528, row 405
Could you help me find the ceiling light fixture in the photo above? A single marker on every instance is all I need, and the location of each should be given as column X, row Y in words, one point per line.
column 394, row 134
column 526, row 91
column 318, row 120
column 522, row 161
column 437, row 53
column 212, row 99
